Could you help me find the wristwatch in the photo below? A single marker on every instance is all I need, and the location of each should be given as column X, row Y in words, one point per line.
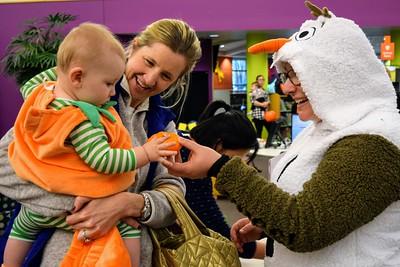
column 146, row 211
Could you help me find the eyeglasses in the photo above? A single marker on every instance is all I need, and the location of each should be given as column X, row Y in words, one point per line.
column 291, row 75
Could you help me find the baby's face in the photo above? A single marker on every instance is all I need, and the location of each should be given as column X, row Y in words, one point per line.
column 100, row 77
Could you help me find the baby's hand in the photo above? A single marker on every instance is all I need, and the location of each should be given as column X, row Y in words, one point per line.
column 172, row 139
column 161, row 145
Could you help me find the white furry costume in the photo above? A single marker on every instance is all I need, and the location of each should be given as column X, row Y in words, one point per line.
column 350, row 92
column 313, row 209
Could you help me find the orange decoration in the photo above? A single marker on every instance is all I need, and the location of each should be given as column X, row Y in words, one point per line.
column 106, row 251
column 172, row 137
column 387, row 48
column 268, row 46
column 270, row 116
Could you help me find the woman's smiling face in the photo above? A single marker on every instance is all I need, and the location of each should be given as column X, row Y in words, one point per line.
column 304, row 108
column 150, row 70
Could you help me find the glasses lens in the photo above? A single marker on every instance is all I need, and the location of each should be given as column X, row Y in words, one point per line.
column 282, row 77
column 293, row 78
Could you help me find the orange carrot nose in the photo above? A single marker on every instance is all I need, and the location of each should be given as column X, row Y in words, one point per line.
column 269, row 46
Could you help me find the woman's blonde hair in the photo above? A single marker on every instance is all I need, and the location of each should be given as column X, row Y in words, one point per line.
column 85, row 43
column 181, row 39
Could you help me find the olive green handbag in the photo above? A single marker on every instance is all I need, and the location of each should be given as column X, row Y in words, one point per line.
column 188, row 242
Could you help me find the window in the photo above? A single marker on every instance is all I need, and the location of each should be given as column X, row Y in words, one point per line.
column 239, row 72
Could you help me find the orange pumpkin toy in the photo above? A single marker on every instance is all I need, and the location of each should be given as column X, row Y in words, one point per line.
column 270, row 116
column 172, row 137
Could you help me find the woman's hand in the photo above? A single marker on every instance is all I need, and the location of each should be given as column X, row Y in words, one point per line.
column 243, row 231
column 200, row 161
column 98, row 216
column 80, row 202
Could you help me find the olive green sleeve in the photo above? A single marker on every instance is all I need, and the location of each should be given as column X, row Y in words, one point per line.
column 358, row 177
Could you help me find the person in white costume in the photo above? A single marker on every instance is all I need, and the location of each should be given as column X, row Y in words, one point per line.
column 333, row 199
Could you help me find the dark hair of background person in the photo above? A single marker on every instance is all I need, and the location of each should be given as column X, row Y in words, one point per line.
column 220, row 124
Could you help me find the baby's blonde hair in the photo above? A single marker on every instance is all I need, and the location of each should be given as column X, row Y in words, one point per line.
column 85, row 43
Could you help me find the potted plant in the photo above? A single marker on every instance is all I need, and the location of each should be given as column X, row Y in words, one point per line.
column 35, row 49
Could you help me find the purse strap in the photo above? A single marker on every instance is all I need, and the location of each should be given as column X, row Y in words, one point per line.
column 189, row 222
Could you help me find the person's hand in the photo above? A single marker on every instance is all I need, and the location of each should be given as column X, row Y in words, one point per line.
column 200, row 161
column 80, row 202
column 243, row 231
column 157, row 149
column 98, row 216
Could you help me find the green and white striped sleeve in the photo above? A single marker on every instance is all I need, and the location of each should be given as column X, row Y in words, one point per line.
column 27, row 88
column 91, row 145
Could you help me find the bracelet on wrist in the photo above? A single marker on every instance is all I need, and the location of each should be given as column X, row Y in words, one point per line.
column 146, row 211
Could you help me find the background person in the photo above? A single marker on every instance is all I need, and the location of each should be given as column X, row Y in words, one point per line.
column 260, row 103
column 228, row 132
column 215, row 127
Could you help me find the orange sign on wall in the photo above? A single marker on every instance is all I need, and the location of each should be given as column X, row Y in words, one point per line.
column 387, row 48
column 222, row 78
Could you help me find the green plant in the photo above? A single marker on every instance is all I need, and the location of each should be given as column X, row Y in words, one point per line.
column 35, row 49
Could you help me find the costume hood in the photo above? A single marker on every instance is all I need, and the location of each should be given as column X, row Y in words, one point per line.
column 338, row 70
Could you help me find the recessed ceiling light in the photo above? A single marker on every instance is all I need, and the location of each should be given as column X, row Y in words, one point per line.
column 214, row 35
column 221, row 46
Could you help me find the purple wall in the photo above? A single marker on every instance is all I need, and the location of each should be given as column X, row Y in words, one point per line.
column 12, row 17
column 250, row 15
column 127, row 16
